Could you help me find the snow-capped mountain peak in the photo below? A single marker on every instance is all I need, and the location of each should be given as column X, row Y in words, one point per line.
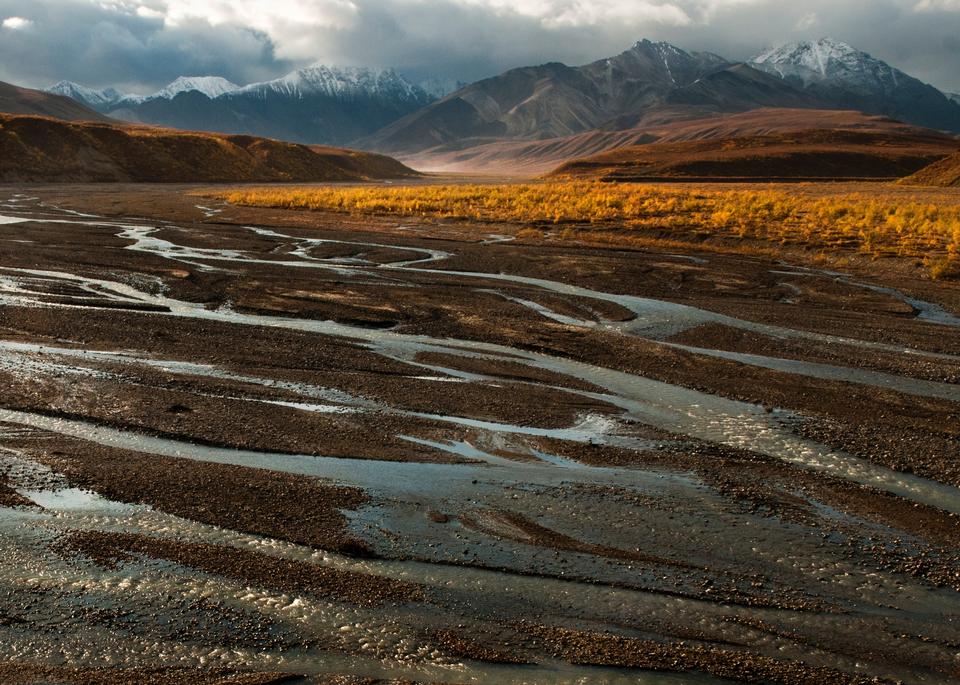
column 821, row 56
column 827, row 60
column 211, row 86
column 338, row 82
column 90, row 96
column 840, row 75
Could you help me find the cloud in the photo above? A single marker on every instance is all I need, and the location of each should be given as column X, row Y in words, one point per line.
column 557, row 13
column 142, row 44
column 150, row 13
column 16, row 23
column 123, row 43
column 808, row 21
column 934, row 5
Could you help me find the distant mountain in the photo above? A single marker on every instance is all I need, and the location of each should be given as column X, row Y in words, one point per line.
column 39, row 149
column 338, row 82
column 848, row 78
column 110, row 99
column 955, row 97
column 16, row 100
column 316, row 104
column 546, row 109
column 554, row 100
column 100, row 100
column 211, row 86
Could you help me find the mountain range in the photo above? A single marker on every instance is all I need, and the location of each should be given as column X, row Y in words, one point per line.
column 316, row 104
column 651, row 85
column 534, row 117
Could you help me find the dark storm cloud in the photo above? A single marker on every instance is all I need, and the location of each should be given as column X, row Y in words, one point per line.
column 103, row 46
column 108, row 42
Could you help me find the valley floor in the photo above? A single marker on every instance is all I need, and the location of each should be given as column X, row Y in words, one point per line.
column 254, row 445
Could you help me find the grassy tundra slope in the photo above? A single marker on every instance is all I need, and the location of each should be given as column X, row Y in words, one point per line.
column 41, row 149
column 824, row 154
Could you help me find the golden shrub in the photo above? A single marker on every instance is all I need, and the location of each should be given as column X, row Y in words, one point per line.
column 877, row 226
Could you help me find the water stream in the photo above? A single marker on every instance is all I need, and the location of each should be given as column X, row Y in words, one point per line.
column 380, row 642
column 679, row 410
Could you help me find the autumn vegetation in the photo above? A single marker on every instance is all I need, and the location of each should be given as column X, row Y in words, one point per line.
column 942, row 174
column 876, row 223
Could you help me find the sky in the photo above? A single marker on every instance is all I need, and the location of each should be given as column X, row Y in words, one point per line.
column 140, row 45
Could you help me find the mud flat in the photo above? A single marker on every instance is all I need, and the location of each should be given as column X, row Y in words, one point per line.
column 258, row 446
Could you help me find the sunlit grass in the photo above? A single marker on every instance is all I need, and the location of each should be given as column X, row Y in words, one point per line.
column 875, row 225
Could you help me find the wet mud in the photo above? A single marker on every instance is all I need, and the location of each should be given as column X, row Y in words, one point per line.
column 253, row 446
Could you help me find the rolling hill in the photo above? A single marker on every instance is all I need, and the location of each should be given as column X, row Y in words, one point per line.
column 664, row 125
column 43, row 149
column 17, row 100
column 833, row 154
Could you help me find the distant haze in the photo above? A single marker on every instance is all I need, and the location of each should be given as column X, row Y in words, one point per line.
column 140, row 45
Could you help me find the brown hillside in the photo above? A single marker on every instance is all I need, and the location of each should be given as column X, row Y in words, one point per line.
column 665, row 124
column 44, row 149
column 16, row 100
column 364, row 164
column 943, row 174
column 808, row 154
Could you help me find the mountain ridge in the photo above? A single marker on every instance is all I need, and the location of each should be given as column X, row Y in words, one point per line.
column 211, row 86
column 316, row 104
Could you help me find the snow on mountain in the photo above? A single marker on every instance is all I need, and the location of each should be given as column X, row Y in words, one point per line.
column 316, row 104
column 847, row 78
column 110, row 98
column 954, row 96
column 96, row 99
column 314, row 81
column 677, row 65
column 828, row 60
column 339, row 83
column 211, row 86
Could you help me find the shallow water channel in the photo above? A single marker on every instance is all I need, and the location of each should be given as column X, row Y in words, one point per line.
column 635, row 550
